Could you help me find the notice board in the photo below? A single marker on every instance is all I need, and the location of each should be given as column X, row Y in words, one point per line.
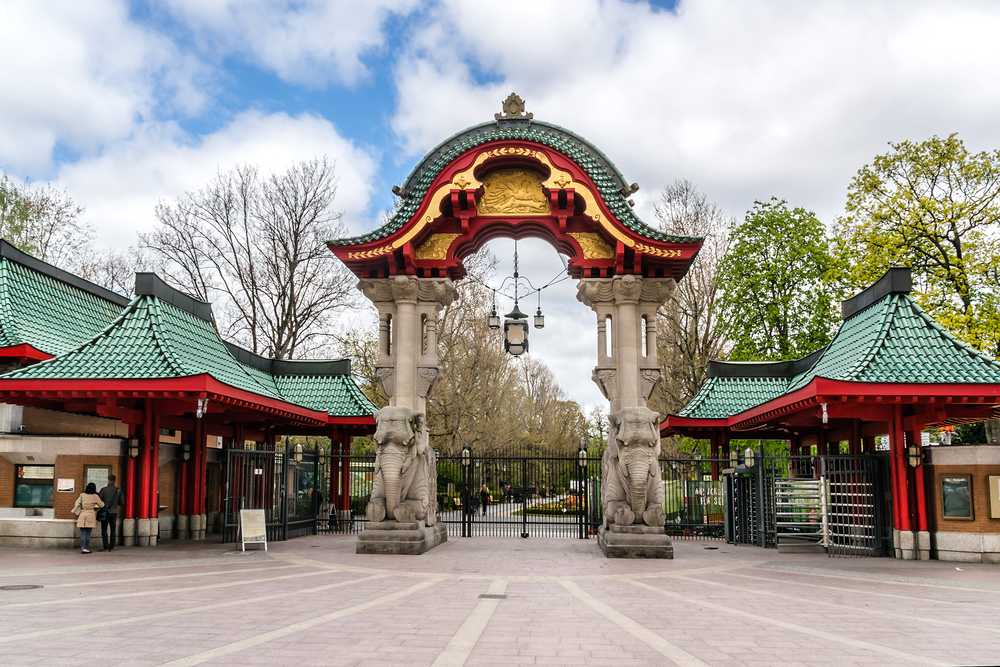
column 253, row 528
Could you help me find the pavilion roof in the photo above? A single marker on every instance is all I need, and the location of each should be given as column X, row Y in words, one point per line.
column 49, row 309
column 599, row 168
column 886, row 338
column 161, row 334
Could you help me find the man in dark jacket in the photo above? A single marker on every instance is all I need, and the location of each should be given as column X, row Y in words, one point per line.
column 112, row 497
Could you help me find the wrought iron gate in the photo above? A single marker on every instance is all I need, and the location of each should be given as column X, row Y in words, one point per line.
column 255, row 479
column 517, row 493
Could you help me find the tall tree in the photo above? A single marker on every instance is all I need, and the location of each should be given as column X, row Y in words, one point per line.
column 43, row 222
column 255, row 246
column 935, row 207
column 688, row 331
column 776, row 279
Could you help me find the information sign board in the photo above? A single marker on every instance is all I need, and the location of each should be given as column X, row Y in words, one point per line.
column 253, row 528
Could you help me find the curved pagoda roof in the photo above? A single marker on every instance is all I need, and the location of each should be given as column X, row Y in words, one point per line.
column 599, row 167
column 160, row 340
column 543, row 180
column 887, row 351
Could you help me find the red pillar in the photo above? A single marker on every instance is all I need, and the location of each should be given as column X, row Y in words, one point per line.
column 154, row 480
column 183, row 486
column 334, row 497
column 130, row 478
column 900, row 495
column 345, row 470
column 920, row 499
column 855, row 445
column 145, row 472
column 203, row 470
column 715, row 456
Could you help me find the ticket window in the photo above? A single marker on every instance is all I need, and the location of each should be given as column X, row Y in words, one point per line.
column 33, row 486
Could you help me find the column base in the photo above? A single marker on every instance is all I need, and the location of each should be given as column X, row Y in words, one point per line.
column 154, row 532
column 203, row 526
column 400, row 539
column 142, row 532
column 183, row 527
column 907, row 546
column 636, row 541
column 895, row 544
column 924, row 544
column 128, row 532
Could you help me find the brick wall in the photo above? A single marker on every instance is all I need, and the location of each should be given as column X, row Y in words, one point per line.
column 170, row 474
column 981, row 523
column 71, row 467
column 51, row 422
column 7, row 473
column 214, row 488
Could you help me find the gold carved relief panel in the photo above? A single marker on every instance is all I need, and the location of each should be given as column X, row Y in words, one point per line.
column 513, row 192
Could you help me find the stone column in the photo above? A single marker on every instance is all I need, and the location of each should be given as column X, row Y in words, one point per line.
column 407, row 367
column 627, row 373
column 402, row 514
column 624, row 374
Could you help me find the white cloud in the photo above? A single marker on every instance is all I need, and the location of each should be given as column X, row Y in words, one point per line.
column 121, row 187
column 310, row 43
column 79, row 75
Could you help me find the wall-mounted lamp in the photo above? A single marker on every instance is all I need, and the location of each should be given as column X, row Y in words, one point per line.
column 826, row 417
column 186, row 451
column 133, row 447
column 914, row 455
column 298, row 453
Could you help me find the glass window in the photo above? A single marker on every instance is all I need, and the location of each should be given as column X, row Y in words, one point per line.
column 33, row 486
column 956, row 496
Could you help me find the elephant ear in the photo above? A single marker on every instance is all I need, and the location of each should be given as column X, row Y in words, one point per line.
column 615, row 421
column 654, row 425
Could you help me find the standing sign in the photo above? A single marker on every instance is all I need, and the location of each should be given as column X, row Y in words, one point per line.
column 253, row 528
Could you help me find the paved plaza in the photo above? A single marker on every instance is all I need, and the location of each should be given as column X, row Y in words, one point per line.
column 490, row 601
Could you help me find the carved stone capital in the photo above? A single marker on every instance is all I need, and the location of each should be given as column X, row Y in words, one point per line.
column 408, row 289
column 386, row 378
column 627, row 288
column 427, row 377
column 606, row 380
column 650, row 377
column 657, row 290
column 624, row 289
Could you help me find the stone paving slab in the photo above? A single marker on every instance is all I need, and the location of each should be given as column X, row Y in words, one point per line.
column 314, row 601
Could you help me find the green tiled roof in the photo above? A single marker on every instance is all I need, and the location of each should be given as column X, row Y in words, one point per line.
column 49, row 309
column 153, row 339
column 892, row 341
column 721, row 397
column 337, row 394
column 599, row 168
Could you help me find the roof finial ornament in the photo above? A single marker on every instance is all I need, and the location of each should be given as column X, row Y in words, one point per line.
column 513, row 107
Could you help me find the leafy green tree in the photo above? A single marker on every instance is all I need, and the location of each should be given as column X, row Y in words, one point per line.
column 777, row 298
column 935, row 207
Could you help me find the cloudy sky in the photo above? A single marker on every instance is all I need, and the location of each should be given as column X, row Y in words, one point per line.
column 123, row 103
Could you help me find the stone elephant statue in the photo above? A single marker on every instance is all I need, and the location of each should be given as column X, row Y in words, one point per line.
column 631, row 483
column 405, row 484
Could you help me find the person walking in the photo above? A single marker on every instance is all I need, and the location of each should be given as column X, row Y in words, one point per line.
column 484, row 498
column 85, row 509
column 113, row 498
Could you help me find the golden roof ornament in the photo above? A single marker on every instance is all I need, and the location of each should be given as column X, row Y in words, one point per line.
column 513, row 107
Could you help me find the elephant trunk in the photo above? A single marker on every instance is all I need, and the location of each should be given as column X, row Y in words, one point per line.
column 392, row 466
column 638, row 473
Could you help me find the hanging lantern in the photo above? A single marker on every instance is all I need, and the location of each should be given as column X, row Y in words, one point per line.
column 133, row 448
column 539, row 319
column 494, row 320
column 914, row 455
column 515, row 332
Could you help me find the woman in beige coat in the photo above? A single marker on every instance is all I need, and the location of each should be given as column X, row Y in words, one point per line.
column 88, row 502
